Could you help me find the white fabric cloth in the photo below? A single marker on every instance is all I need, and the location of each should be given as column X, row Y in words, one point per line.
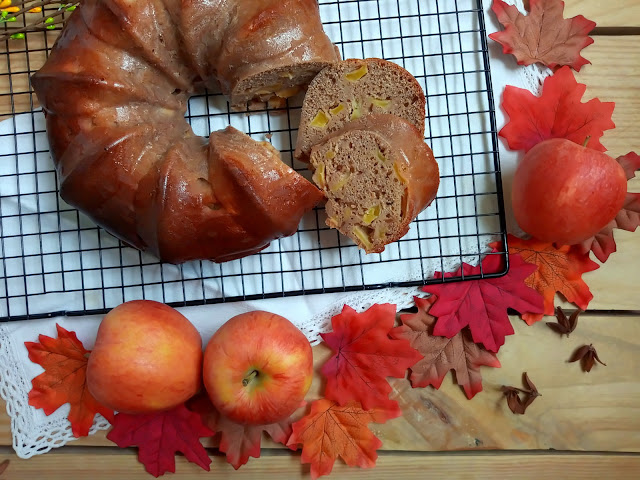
column 34, row 433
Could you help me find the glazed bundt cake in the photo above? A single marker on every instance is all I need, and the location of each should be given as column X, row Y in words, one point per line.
column 115, row 89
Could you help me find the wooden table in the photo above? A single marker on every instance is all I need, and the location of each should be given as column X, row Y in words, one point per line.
column 584, row 426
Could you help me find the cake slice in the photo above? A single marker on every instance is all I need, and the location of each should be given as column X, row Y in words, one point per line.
column 352, row 89
column 273, row 50
column 377, row 174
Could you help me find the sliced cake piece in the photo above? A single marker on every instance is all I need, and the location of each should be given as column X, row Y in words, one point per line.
column 351, row 89
column 272, row 50
column 378, row 174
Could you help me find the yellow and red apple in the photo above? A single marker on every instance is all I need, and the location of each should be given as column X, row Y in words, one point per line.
column 147, row 357
column 257, row 368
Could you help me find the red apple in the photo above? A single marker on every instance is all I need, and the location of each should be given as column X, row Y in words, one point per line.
column 257, row 368
column 147, row 357
column 566, row 193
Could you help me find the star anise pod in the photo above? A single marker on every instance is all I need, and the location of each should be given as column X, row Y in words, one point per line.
column 588, row 356
column 564, row 325
column 515, row 402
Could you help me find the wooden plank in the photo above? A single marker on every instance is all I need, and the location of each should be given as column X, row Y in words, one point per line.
column 614, row 285
column 596, row 411
column 108, row 464
column 614, row 76
column 621, row 13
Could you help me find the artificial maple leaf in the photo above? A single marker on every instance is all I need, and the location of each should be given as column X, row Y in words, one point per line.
column 515, row 402
column 441, row 354
column 559, row 269
column 482, row 304
column 587, row 355
column 238, row 441
column 365, row 356
column 64, row 360
column 564, row 325
column 557, row 113
column 330, row 431
column 628, row 218
column 544, row 35
column 160, row 435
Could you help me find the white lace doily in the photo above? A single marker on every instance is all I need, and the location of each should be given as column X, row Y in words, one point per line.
column 34, row 433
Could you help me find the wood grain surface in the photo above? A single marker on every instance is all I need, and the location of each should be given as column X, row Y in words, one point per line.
column 110, row 463
column 614, row 13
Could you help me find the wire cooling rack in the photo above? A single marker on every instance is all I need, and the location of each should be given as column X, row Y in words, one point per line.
column 56, row 261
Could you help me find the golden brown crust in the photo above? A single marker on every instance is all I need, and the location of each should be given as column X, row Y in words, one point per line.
column 114, row 91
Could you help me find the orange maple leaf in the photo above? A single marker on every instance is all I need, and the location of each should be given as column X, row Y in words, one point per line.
column 64, row 360
column 560, row 270
column 330, row 431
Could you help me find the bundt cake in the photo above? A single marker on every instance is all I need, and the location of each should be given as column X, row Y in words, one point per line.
column 378, row 174
column 115, row 89
column 353, row 88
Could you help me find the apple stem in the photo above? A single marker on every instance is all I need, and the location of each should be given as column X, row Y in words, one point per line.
column 253, row 374
column 586, row 141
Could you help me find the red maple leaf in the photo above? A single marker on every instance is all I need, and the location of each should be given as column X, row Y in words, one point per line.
column 628, row 218
column 365, row 356
column 64, row 360
column 330, row 431
column 160, row 435
column 441, row 354
column 544, row 36
column 482, row 304
column 557, row 113
column 559, row 269
column 238, row 441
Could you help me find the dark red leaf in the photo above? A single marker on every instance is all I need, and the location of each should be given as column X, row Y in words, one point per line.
column 482, row 304
column 160, row 435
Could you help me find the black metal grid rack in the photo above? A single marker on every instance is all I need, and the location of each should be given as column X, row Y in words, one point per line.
column 55, row 261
